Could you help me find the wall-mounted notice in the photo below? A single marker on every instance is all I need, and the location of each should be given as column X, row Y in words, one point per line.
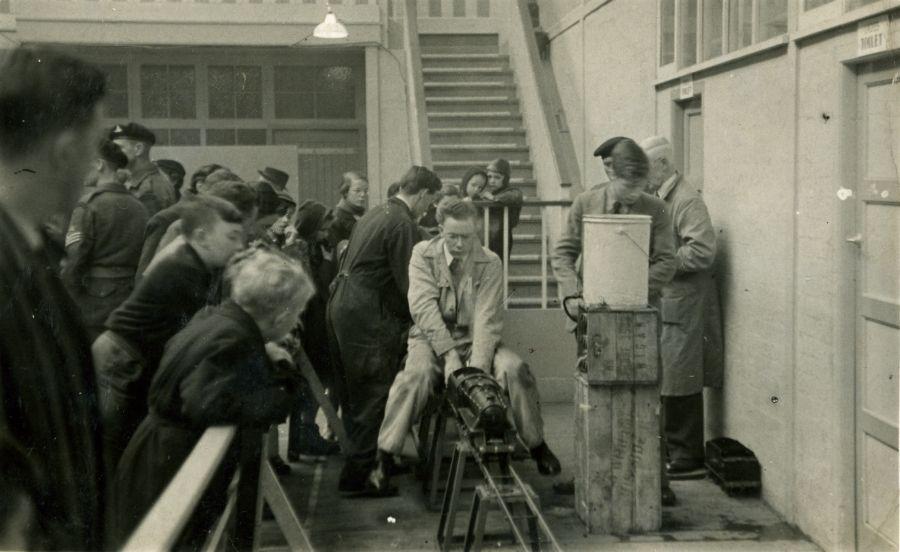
column 686, row 88
column 873, row 35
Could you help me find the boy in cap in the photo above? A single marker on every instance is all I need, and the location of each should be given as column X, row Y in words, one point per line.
column 104, row 241
column 604, row 152
column 147, row 183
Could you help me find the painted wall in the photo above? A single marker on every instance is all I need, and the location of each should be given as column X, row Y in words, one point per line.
column 772, row 167
column 604, row 84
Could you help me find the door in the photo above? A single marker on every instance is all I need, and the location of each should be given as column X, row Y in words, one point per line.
column 877, row 308
column 693, row 144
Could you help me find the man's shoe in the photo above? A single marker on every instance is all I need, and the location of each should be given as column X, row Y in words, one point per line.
column 668, row 497
column 546, row 461
column 352, row 479
column 279, row 466
column 683, row 468
column 313, row 447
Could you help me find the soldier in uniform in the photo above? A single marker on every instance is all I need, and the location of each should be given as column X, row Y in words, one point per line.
column 149, row 184
column 104, row 241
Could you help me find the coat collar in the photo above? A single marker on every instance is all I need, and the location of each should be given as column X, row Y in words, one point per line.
column 669, row 185
column 406, row 209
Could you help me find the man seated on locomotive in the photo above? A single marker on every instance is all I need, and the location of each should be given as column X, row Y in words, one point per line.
column 456, row 302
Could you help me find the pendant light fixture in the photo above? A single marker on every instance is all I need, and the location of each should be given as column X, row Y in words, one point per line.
column 331, row 27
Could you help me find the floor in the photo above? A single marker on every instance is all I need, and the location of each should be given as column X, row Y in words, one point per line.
column 704, row 519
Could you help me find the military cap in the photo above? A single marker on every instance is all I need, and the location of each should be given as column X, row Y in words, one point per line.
column 605, row 149
column 133, row 131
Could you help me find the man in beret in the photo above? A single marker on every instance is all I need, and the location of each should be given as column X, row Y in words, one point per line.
column 104, row 241
column 604, row 152
column 150, row 185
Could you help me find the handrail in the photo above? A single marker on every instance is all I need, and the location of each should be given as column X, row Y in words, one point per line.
column 163, row 524
column 527, row 203
column 541, row 106
column 417, row 120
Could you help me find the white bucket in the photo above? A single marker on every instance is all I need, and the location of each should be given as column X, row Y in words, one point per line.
column 616, row 251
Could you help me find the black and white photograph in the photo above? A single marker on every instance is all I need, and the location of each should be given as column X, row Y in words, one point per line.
column 450, row 275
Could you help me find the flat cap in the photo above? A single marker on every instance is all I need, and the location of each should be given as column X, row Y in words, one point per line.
column 605, row 149
column 133, row 131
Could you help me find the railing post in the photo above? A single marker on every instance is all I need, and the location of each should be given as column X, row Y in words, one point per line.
column 487, row 226
column 543, row 260
column 506, row 251
column 251, row 445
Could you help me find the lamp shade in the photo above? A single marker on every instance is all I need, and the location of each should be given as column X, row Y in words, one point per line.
column 331, row 27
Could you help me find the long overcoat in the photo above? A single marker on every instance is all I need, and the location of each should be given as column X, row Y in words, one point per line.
column 691, row 356
column 214, row 372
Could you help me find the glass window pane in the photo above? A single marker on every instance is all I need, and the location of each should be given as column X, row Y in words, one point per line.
column 294, row 106
column 154, row 98
column 220, row 83
column 116, row 100
column 248, row 106
column 184, row 136
column 251, row 136
column 294, row 78
column 219, row 137
column 666, row 32
column 335, row 106
column 712, row 28
column 182, row 93
column 688, row 32
column 813, row 4
column 740, row 24
column 772, row 18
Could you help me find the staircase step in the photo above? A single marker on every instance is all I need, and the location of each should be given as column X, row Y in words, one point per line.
column 468, row 99
column 531, row 302
column 466, row 60
column 463, row 57
column 472, row 114
column 478, row 130
column 459, row 43
column 467, row 84
column 473, row 119
column 496, row 70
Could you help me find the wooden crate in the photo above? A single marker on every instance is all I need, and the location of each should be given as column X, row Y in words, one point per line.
column 617, row 457
column 619, row 346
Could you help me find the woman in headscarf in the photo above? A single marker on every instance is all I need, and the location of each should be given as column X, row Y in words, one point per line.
column 473, row 183
column 499, row 191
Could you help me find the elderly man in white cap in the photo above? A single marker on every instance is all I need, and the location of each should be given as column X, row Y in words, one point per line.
column 687, row 365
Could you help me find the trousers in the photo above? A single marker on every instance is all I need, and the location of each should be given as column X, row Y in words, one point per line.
column 416, row 383
column 684, row 427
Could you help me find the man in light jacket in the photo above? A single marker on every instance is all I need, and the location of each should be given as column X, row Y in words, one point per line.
column 683, row 309
column 456, row 302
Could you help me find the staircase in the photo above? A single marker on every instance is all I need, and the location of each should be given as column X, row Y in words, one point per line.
column 474, row 117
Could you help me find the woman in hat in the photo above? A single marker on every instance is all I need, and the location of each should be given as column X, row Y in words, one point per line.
column 503, row 196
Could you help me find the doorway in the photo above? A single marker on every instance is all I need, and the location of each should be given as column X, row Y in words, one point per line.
column 877, row 235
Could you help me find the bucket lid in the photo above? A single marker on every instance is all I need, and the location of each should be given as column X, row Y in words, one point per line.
column 619, row 219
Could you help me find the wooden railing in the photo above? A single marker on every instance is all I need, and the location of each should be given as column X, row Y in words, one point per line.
column 552, row 218
column 253, row 484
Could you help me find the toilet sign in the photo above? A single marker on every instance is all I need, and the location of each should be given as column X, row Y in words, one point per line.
column 872, row 36
column 686, row 88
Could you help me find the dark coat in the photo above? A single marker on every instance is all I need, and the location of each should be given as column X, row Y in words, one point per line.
column 103, row 245
column 369, row 316
column 214, row 372
column 686, row 364
column 154, row 231
column 48, row 395
column 161, row 304
column 340, row 223
column 512, row 199
column 152, row 188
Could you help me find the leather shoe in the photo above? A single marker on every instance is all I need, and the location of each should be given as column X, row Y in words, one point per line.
column 547, row 463
column 685, row 468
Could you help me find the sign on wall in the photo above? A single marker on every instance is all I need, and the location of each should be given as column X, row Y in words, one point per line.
column 873, row 36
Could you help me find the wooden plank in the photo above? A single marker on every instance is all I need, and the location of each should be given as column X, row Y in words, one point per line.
column 647, row 503
column 622, row 459
column 646, row 347
column 605, row 328
column 624, row 370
